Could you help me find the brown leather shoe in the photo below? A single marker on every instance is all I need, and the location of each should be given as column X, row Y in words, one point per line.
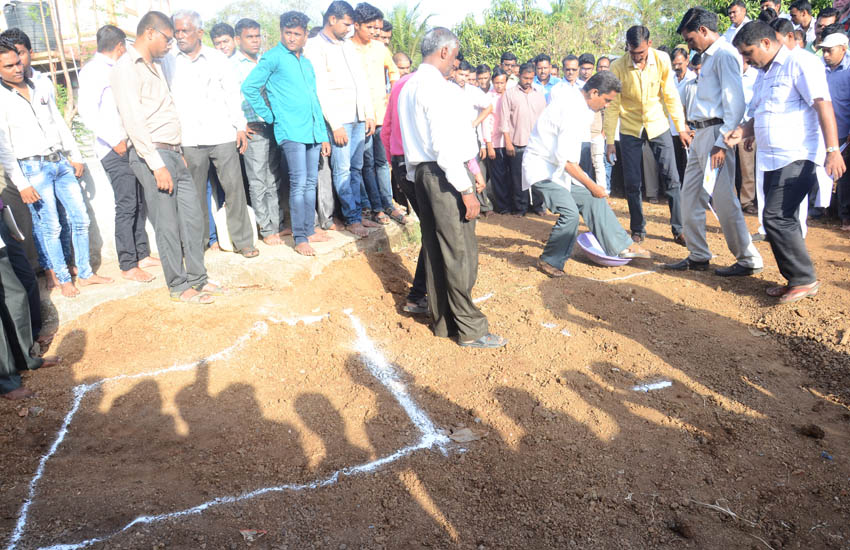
column 680, row 239
column 549, row 269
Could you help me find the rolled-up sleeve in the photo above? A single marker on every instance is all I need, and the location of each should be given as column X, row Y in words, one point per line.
column 127, row 92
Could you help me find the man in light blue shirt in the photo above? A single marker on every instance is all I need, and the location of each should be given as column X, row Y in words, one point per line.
column 837, row 60
column 716, row 109
column 543, row 79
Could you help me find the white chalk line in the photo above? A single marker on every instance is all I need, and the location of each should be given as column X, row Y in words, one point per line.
column 623, row 278
column 378, row 366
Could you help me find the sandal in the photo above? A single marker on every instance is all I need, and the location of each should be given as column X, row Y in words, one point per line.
column 380, row 217
column 777, row 291
column 215, row 291
column 249, row 252
column 489, row 341
column 200, row 298
column 397, row 216
column 797, row 293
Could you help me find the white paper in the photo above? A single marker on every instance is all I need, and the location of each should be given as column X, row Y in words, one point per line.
column 709, row 180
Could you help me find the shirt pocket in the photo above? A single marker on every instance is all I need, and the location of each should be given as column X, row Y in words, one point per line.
column 781, row 97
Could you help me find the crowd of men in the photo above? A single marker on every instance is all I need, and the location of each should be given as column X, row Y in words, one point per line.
column 335, row 132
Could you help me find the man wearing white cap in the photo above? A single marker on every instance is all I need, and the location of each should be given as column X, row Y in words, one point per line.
column 837, row 61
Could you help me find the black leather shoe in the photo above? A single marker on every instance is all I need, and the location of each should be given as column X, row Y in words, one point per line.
column 758, row 237
column 686, row 265
column 737, row 270
column 638, row 237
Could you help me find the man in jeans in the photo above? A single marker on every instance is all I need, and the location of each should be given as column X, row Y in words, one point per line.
column 150, row 118
column 261, row 155
column 347, row 107
column 290, row 84
column 97, row 107
column 41, row 141
column 521, row 106
column 210, row 109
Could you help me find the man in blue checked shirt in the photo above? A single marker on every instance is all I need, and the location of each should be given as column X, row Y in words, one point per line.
column 299, row 126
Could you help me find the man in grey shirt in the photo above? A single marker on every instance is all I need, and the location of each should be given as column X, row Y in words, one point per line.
column 716, row 109
column 150, row 118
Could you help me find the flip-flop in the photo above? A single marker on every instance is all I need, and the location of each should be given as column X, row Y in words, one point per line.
column 797, row 293
column 489, row 341
column 196, row 299
column 776, row 291
column 249, row 252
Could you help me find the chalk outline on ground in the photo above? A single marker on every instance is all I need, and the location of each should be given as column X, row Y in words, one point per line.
column 378, row 366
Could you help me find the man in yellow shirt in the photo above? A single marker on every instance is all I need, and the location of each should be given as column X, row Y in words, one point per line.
column 377, row 195
column 649, row 88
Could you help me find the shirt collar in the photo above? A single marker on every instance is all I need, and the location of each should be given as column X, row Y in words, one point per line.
column 328, row 38
column 11, row 89
column 713, row 48
column 780, row 57
column 241, row 57
column 202, row 53
column 105, row 59
column 650, row 59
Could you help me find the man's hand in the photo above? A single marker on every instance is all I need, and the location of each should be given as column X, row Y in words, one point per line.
column 473, row 207
column 491, row 153
column 121, row 148
column 480, row 184
column 718, row 157
column 340, row 137
column 79, row 168
column 509, row 149
column 326, row 149
column 29, row 195
column 241, row 141
column 482, row 153
column 834, row 165
column 370, row 127
column 163, row 180
column 686, row 138
column 597, row 191
column 249, row 131
column 734, row 137
column 749, row 144
column 611, row 153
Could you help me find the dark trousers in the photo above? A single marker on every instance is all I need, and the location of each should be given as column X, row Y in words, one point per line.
column 177, row 218
column 668, row 175
column 16, row 338
column 501, row 182
column 451, row 256
column 784, row 189
column 419, row 287
column 843, row 195
column 24, row 271
column 225, row 158
column 681, row 156
column 131, row 239
column 519, row 198
column 483, row 198
column 398, row 175
column 585, row 161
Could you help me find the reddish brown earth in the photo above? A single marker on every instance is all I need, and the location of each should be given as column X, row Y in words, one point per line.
column 569, row 456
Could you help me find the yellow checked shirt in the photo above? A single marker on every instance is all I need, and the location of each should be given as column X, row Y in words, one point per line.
column 377, row 58
column 646, row 94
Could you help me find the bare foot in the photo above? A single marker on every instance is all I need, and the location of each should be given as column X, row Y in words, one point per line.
column 95, row 279
column 286, row 232
column 318, row 237
column 18, row 394
column 336, row 225
column 215, row 247
column 73, row 271
column 305, row 249
column 369, row 223
column 273, row 239
column 357, row 229
column 52, row 361
column 150, row 261
column 52, row 279
column 69, row 290
column 137, row 274
column 44, row 340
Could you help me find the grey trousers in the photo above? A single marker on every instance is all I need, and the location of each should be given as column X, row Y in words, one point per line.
column 694, row 202
column 325, row 198
column 568, row 204
column 451, row 256
column 16, row 339
column 177, row 218
column 262, row 165
column 225, row 158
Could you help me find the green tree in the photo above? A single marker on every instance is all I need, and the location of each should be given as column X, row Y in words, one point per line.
column 408, row 29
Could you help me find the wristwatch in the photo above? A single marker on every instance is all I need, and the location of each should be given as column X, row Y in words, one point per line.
column 832, row 149
column 469, row 191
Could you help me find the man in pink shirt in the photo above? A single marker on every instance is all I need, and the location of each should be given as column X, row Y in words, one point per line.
column 497, row 159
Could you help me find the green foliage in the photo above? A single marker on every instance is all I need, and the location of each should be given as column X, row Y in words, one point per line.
column 266, row 13
column 61, row 98
column 408, row 29
column 753, row 8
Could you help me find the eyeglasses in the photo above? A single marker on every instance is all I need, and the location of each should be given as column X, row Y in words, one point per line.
column 570, row 70
column 169, row 40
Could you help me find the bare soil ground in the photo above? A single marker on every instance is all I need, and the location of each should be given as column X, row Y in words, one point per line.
column 569, row 455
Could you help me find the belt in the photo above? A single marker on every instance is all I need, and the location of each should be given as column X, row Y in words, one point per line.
column 699, row 125
column 52, row 157
column 168, row 147
column 259, row 125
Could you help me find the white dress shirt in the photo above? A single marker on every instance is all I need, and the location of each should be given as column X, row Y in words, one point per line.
column 681, row 86
column 478, row 101
column 733, row 29
column 556, row 140
column 207, row 97
column 811, row 35
column 719, row 93
column 565, row 88
column 434, row 127
column 786, row 125
column 32, row 128
column 97, row 105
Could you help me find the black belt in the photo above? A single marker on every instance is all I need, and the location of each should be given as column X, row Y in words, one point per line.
column 699, row 125
column 52, row 157
column 168, row 147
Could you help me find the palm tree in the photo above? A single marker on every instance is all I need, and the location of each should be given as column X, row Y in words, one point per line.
column 408, row 30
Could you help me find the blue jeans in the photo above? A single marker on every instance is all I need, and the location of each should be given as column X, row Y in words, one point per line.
column 52, row 181
column 376, row 175
column 347, row 167
column 303, row 162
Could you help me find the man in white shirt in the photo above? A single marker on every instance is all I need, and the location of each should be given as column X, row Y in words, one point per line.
column 747, row 158
column 479, row 109
column 551, row 166
column 775, row 5
column 792, row 117
column 97, row 107
column 737, row 12
column 42, row 144
column 716, row 110
column 801, row 16
column 437, row 142
column 209, row 105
